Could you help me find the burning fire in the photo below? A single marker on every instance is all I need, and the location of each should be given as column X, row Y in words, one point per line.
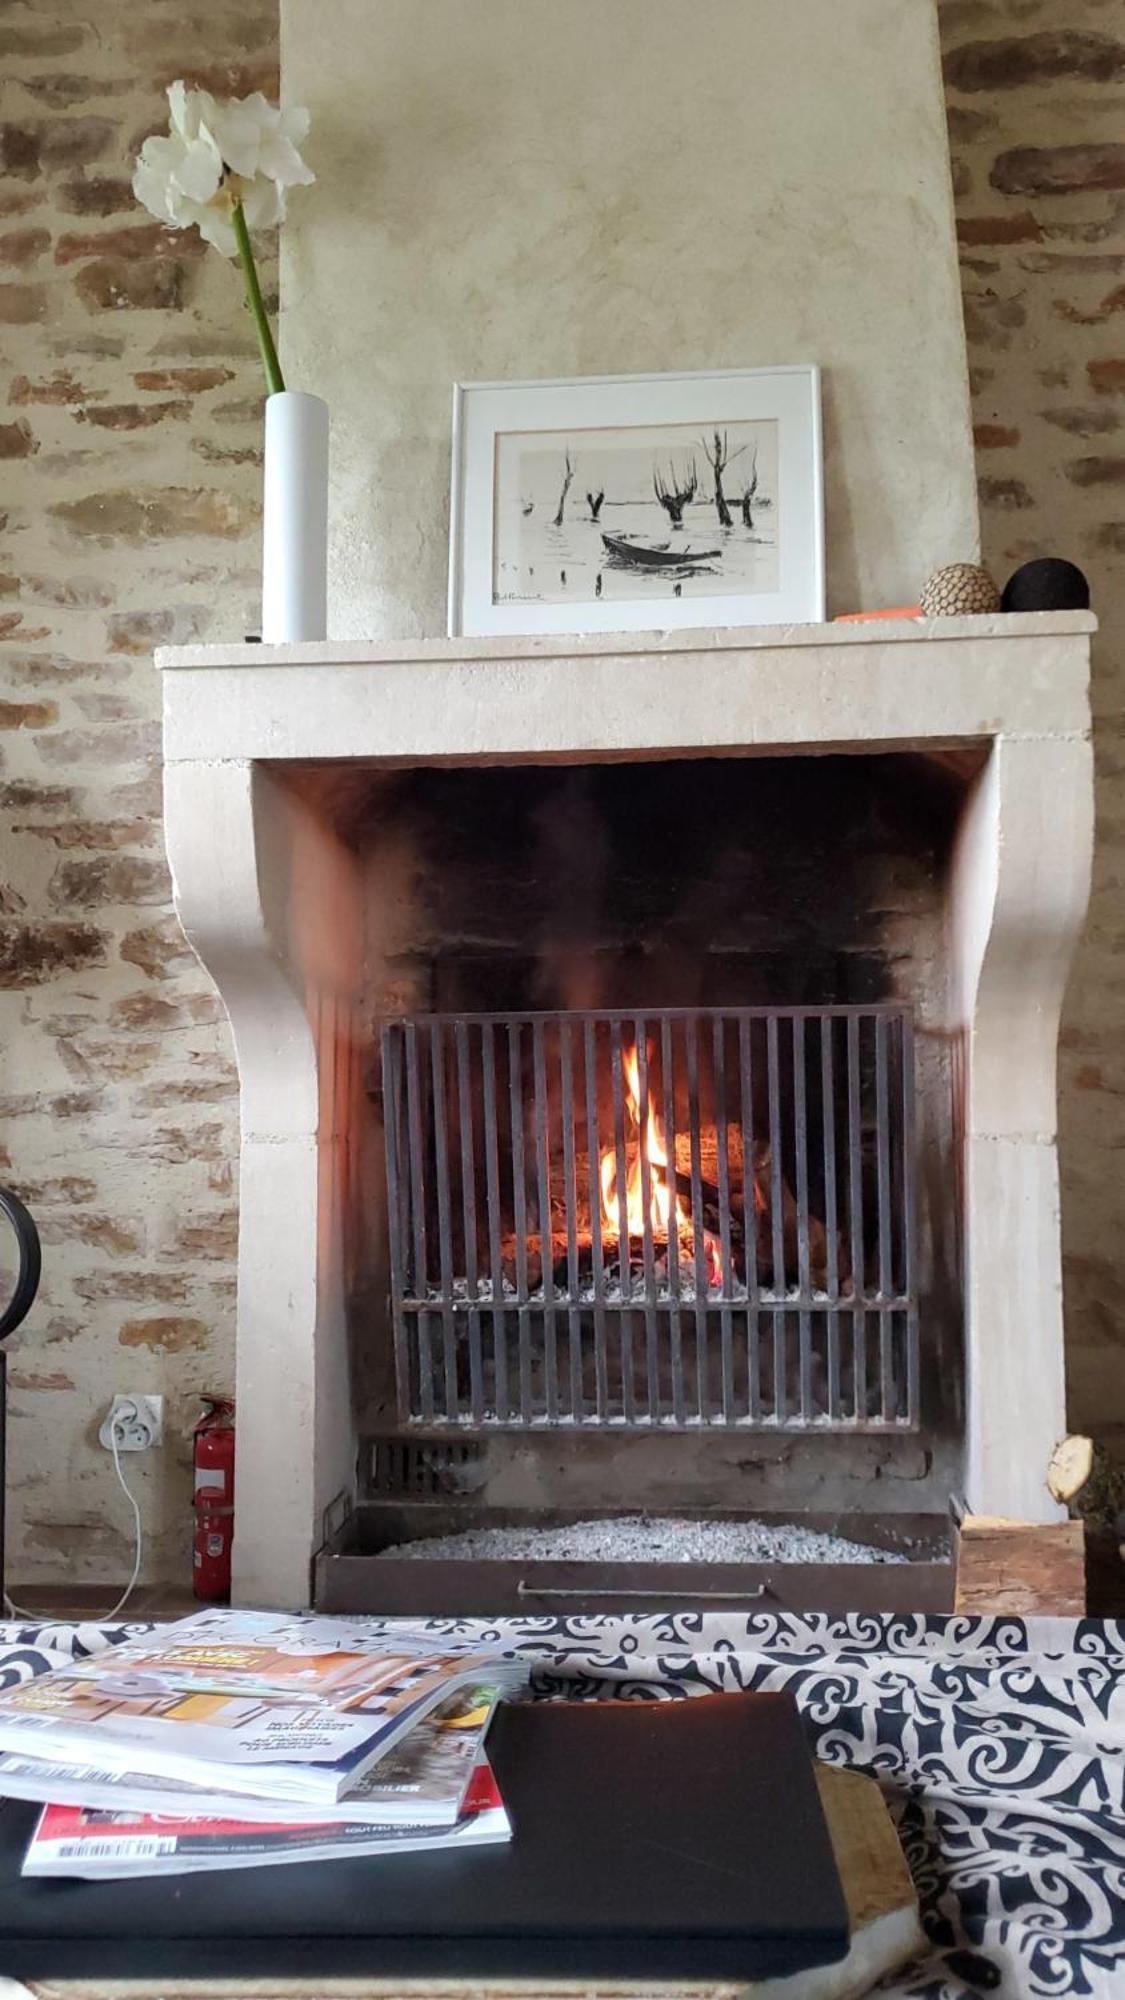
column 649, row 1147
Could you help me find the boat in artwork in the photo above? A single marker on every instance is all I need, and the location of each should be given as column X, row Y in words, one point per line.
column 655, row 555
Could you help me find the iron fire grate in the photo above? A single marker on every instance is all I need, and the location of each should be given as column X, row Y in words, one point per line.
column 674, row 1219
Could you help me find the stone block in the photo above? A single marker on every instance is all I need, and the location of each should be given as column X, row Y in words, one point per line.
column 1044, row 170
column 33, row 953
column 1014, row 61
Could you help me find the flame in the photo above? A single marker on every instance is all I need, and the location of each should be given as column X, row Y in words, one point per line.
column 650, row 1149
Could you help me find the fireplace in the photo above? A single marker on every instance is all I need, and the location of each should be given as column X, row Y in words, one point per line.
column 647, row 1063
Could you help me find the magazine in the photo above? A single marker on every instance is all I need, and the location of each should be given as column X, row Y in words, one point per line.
column 101, row 1846
column 271, row 1704
column 420, row 1782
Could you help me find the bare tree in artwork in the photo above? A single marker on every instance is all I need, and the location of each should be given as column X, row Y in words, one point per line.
column 719, row 456
column 675, row 493
column 749, row 489
column 565, row 488
column 594, row 501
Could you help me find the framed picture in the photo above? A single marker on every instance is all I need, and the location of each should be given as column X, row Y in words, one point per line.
column 632, row 502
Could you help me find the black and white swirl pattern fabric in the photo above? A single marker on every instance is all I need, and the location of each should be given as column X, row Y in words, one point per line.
column 999, row 1744
column 29, row 1649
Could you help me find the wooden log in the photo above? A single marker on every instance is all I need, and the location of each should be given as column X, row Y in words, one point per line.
column 1022, row 1568
column 1072, row 1462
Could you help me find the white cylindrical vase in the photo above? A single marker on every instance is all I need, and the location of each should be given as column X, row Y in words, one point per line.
column 295, row 519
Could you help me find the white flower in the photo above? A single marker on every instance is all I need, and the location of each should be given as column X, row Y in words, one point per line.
column 244, row 150
column 255, row 139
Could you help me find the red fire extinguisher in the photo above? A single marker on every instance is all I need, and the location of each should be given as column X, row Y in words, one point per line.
column 214, row 1501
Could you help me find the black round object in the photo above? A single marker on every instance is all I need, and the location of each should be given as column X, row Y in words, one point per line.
column 27, row 1280
column 1047, row 584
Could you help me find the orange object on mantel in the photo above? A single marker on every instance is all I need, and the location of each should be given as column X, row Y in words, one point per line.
column 895, row 611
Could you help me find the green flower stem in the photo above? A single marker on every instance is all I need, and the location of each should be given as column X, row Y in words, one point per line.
column 274, row 378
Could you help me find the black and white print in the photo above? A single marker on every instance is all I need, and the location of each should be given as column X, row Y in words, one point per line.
column 641, row 512
column 634, row 503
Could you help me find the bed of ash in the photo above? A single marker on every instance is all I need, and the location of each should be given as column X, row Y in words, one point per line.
column 631, row 1538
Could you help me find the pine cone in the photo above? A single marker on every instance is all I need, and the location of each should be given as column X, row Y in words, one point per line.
column 957, row 590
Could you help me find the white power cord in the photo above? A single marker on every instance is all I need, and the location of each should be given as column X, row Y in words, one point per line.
column 102, row 1617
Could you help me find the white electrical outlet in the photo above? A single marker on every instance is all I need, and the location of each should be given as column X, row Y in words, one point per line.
column 138, row 1422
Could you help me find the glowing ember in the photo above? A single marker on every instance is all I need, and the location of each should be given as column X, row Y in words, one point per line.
column 649, row 1149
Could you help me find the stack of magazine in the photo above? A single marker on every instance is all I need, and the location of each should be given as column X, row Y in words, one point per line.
column 233, row 1739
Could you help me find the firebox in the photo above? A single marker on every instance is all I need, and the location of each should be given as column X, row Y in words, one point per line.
column 661, row 1173
column 677, row 1219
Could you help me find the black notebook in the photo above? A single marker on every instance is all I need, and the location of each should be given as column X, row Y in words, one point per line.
column 679, row 1839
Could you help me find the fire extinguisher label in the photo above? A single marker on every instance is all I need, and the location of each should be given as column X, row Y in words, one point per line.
column 208, row 1478
column 214, row 1545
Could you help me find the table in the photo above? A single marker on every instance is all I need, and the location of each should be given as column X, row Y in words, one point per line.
column 998, row 1743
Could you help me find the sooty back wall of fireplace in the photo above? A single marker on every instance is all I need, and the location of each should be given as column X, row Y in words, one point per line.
column 799, row 881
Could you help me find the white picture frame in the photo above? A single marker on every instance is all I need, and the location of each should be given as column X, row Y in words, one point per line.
column 747, row 439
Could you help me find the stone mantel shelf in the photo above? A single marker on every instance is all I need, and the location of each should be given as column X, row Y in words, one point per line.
column 875, row 684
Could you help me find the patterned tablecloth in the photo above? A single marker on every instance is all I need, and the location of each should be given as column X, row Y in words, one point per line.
column 999, row 1744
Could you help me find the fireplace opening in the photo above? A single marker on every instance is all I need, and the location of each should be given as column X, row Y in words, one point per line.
column 676, row 1218
column 653, row 1196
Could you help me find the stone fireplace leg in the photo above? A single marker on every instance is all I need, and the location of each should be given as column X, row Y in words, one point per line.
column 267, row 897
column 1019, row 892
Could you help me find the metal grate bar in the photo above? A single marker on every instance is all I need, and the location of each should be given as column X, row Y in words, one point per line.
column 722, row 1135
column 519, row 1209
column 887, row 1397
column 804, row 1280
column 417, row 1185
column 492, row 1183
column 397, row 1184
column 570, row 1199
column 597, row 1245
column 621, row 1218
column 909, row 1173
column 855, row 1187
column 469, row 1215
column 691, row 1036
column 828, row 1102
column 750, row 1223
column 615, row 1172
column 648, row 1252
column 546, row 1248
column 777, row 1215
column 445, row 1231
column 675, row 1327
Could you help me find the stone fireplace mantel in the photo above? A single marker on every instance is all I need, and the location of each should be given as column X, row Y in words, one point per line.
column 268, row 890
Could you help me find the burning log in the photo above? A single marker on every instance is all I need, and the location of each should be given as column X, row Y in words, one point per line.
column 763, row 1225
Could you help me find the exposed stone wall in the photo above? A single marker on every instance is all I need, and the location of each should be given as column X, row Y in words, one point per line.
column 1034, row 100
column 130, row 416
column 129, row 426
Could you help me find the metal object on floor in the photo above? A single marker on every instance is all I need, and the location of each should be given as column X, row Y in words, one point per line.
column 28, row 1268
column 347, row 1578
column 668, row 1219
